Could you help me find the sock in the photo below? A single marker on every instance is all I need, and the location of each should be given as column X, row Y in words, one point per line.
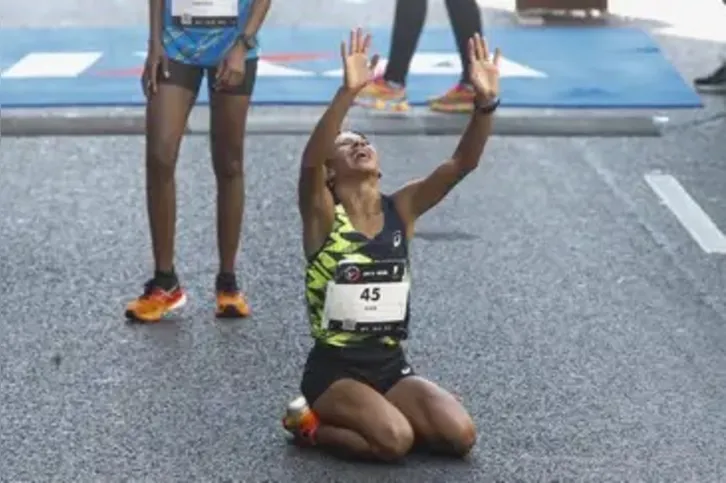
column 226, row 282
column 166, row 280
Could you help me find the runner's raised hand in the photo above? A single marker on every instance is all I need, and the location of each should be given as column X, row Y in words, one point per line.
column 357, row 68
column 484, row 72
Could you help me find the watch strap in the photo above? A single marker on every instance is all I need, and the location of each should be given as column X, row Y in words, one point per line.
column 487, row 108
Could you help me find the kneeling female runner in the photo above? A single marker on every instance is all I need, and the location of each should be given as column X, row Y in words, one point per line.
column 364, row 399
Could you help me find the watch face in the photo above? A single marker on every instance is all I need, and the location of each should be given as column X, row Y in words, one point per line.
column 250, row 43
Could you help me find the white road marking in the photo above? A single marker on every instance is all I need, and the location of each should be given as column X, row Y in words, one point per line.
column 448, row 63
column 51, row 65
column 696, row 221
column 270, row 69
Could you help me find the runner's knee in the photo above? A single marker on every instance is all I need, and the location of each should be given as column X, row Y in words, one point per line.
column 229, row 164
column 392, row 439
column 458, row 432
column 161, row 158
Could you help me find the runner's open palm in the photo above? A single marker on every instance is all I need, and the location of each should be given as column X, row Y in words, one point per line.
column 484, row 73
column 357, row 68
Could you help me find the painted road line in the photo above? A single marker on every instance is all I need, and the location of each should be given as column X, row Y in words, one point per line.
column 696, row 221
column 51, row 64
column 446, row 64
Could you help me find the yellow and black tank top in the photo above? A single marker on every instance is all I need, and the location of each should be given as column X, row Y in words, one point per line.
column 344, row 245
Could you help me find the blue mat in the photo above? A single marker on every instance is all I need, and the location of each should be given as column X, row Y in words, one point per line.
column 546, row 67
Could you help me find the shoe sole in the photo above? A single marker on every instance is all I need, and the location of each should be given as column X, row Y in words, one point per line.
column 718, row 89
column 463, row 108
column 230, row 312
column 398, row 105
column 130, row 315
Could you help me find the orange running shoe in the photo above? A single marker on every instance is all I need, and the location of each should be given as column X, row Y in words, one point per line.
column 459, row 98
column 383, row 95
column 301, row 421
column 231, row 302
column 155, row 303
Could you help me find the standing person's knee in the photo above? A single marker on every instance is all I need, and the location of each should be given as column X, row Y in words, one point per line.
column 393, row 439
column 161, row 157
column 228, row 163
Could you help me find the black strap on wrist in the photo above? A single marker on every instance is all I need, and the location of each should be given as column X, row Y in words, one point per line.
column 487, row 108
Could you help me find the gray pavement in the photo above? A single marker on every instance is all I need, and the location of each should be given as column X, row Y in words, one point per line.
column 576, row 320
column 575, row 316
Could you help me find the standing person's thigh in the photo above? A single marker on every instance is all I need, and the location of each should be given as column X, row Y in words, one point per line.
column 353, row 405
column 439, row 421
column 229, row 107
column 167, row 113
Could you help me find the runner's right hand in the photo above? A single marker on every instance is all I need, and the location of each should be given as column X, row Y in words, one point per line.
column 357, row 69
column 156, row 64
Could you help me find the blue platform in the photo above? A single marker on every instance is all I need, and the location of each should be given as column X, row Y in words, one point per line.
column 558, row 68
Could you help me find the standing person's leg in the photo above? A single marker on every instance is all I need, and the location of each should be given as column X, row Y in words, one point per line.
column 408, row 23
column 167, row 112
column 465, row 18
column 229, row 109
column 714, row 82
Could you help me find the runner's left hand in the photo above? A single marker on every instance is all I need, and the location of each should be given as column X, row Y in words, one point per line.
column 484, row 72
column 231, row 72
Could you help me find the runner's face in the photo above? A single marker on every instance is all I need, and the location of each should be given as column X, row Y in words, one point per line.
column 354, row 154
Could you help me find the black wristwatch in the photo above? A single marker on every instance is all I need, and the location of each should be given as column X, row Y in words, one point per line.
column 249, row 42
column 487, row 108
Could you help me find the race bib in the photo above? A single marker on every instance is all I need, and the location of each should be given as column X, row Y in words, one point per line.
column 367, row 297
column 205, row 13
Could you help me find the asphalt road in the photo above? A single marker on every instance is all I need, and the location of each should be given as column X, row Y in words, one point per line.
column 579, row 321
column 555, row 295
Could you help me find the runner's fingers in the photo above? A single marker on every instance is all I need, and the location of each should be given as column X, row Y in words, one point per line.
column 235, row 78
column 472, row 51
column 481, row 49
column 351, row 46
column 145, row 82
column 374, row 63
column 220, row 71
column 497, row 56
column 356, row 41
column 165, row 67
column 149, row 79
column 343, row 50
column 366, row 43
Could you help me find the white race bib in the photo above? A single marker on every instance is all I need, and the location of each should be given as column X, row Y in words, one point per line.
column 367, row 298
column 205, row 13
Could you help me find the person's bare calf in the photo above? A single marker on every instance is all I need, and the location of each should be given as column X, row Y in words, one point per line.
column 228, row 123
column 440, row 422
column 166, row 117
column 357, row 422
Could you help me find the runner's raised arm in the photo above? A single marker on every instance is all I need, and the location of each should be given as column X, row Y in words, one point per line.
column 419, row 196
column 314, row 198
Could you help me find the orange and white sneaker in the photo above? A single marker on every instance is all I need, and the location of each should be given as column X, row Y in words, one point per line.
column 231, row 302
column 155, row 303
column 459, row 98
column 383, row 95
column 301, row 422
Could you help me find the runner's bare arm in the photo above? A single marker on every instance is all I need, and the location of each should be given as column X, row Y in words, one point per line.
column 314, row 198
column 156, row 14
column 416, row 198
column 258, row 13
column 419, row 196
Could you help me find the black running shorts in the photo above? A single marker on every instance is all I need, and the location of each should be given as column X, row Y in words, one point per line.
column 375, row 364
column 190, row 77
